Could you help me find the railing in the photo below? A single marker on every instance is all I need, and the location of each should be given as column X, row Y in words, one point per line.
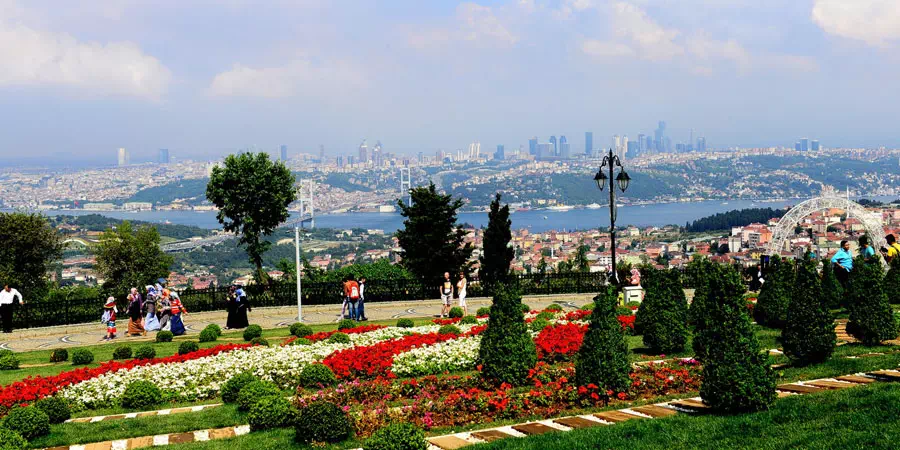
column 86, row 310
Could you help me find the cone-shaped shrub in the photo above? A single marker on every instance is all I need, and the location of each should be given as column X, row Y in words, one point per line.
column 832, row 291
column 507, row 351
column 603, row 357
column 808, row 336
column 871, row 318
column 775, row 294
column 736, row 376
column 697, row 272
column 662, row 317
column 704, row 292
column 892, row 280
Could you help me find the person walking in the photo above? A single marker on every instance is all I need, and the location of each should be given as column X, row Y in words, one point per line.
column 237, row 309
column 843, row 263
column 109, row 318
column 151, row 323
column 9, row 297
column 163, row 308
column 446, row 291
column 461, row 292
column 177, row 309
column 361, row 306
column 135, row 319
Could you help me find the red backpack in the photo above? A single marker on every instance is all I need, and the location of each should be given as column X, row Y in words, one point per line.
column 354, row 290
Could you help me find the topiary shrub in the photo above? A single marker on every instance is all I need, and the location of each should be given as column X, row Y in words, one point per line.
column 698, row 313
column 215, row 329
column 553, row 307
column 624, row 310
column 301, row 341
column 59, row 355
column 321, row 421
column 663, row 317
column 339, row 338
column 233, row 386
column 524, row 308
column 468, row 320
column 317, row 376
column 775, row 294
column 871, row 317
column 145, row 352
column 164, row 336
column 261, row 341
column 633, row 304
column 56, row 409
column 141, row 395
column 254, row 391
column 809, row 335
column 546, row 315
column 346, row 324
column 507, row 352
column 301, row 330
column 208, row 335
column 10, row 440
column 483, row 311
column 271, row 412
column 892, row 278
column 188, row 347
column 28, row 421
column 9, row 361
column 81, row 357
column 449, row 329
column 832, row 291
column 603, row 357
column 122, row 352
column 537, row 325
column 736, row 376
column 253, row 331
column 398, row 436
column 405, row 323
column 456, row 312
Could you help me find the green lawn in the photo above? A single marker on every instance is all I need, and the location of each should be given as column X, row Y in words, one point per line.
column 862, row 417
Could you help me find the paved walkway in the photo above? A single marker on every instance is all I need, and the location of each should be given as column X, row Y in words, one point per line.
column 275, row 317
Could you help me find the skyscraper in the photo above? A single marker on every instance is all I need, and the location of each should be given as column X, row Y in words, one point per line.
column 814, row 145
column 500, row 154
column 797, row 146
column 641, row 144
column 701, row 144
column 283, row 152
column 123, row 157
column 544, row 151
column 163, row 156
column 554, row 150
column 804, row 145
column 589, row 143
column 377, row 155
column 363, row 152
column 475, row 150
column 564, row 152
column 532, row 146
column 616, row 143
column 659, row 137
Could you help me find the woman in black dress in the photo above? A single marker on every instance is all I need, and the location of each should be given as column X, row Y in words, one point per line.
column 237, row 309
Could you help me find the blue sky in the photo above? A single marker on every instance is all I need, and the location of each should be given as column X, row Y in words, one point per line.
column 204, row 77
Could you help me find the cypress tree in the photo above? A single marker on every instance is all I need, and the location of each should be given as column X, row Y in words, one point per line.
column 663, row 315
column 603, row 357
column 808, row 336
column 496, row 254
column 892, row 282
column 704, row 270
column 871, row 317
column 507, row 351
column 736, row 376
column 832, row 291
column 775, row 294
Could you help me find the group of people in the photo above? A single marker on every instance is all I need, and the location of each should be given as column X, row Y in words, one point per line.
column 354, row 305
column 447, row 290
column 160, row 310
column 843, row 259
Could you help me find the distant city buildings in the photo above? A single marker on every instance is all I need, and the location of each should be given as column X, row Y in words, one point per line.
column 163, row 156
column 532, row 146
column 363, row 153
column 564, row 151
column 500, row 154
column 806, row 145
column 284, row 153
column 589, row 143
column 124, row 160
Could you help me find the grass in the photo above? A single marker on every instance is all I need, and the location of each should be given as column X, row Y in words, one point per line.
column 861, row 417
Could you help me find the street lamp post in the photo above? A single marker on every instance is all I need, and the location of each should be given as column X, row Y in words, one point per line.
column 622, row 180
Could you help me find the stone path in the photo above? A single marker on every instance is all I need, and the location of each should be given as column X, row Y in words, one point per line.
column 274, row 317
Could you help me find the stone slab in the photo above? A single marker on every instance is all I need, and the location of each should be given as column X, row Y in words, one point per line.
column 534, row 428
column 830, row 384
column 182, row 410
column 181, row 438
column 449, row 442
column 692, row 405
column 115, row 417
column 892, row 375
column 221, row 433
column 655, row 411
column 577, row 422
column 783, row 394
column 490, row 435
column 798, row 389
column 615, row 416
column 99, row 446
column 856, row 379
column 141, row 442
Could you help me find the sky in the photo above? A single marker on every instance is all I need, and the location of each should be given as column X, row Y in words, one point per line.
column 207, row 77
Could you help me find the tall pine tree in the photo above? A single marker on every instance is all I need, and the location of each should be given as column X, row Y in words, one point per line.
column 775, row 294
column 507, row 351
column 603, row 356
column 496, row 253
column 832, row 291
column 872, row 320
column 702, row 271
column 808, row 336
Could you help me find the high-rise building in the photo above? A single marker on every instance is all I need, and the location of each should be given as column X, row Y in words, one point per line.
column 363, row 152
column 797, row 146
column 500, row 154
column 123, row 157
column 589, row 143
column 804, row 145
column 420, row 157
column 340, row 161
column 564, row 152
column 641, row 144
column 544, row 151
column 378, row 154
column 532, row 146
column 554, row 149
column 616, row 143
column 321, row 153
column 659, row 137
column 163, row 156
column 632, row 149
column 701, row 144
column 475, row 150
column 814, row 145
column 283, row 149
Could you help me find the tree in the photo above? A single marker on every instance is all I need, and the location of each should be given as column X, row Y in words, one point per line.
column 252, row 194
column 872, row 320
column 507, row 351
column 736, row 375
column 832, row 291
column 581, row 262
column 808, row 336
column 775, row 294
column 432, row 243
column 128, row 257
column 892, row 280
column 30, row 247
column 705, row 293
column 663, row 315
column 496, row 255
column 603, row 356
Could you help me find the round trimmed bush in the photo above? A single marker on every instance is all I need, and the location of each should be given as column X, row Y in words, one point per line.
column 316, row 376
column 208, row 335
column 301, row 341
column 145, row 352
column 10, row 440
column 59, row 355
column 539, row 324
column 405, row 323
column 9, row 361
column 254, row 391
column 215, row 328
column 525, row 308
column 253, row 331
column 546, row 315
column 164, row 336
column 553, row 307
column 346, row 324
column 623, row 311
column 398, row 436
column 188, row 347
column 259, row 341
column 301, row 330
column 587, row 307
column 468, row 320
column 122, row 352
column 322, row 421
column 141, row 395
column 456, row 312
column 483, row 311
column 81, row 357
column 232, row 388
column 339, row 338
column 56, row 409
column 28, row 421
column 449, row 329
column 271, row 412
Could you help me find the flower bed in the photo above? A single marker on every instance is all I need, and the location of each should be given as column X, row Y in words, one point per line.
column 559, row 342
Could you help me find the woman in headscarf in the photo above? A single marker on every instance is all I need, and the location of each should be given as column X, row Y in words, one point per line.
column 237, row 308
column 151, row 323
column 177, row 310
column 164, row 307
column 135, row 321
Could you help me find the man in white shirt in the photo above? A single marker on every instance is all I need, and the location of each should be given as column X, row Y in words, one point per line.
column 7, row 297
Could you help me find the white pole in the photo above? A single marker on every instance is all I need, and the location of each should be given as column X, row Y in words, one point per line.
column 299, row 291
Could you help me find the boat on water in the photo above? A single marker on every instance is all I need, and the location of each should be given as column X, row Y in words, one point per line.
column 560, row 208
column 545, row 217
column 593, row 206
column 724, row 203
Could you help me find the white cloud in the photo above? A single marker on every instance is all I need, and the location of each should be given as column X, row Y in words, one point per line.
column 300, row 78
column 875, row 22
column 653, row 42
column 604, row 49
column 473, row 23
column 704, row 48
column 34, row 57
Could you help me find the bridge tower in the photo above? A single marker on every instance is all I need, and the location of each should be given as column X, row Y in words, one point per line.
column 307, row 203
column 406, row 185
